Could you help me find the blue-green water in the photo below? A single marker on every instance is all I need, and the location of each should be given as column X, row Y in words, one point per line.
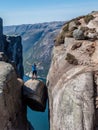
column 39, row 120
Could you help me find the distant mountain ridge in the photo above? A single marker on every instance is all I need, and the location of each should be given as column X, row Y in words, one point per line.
column 37, row 41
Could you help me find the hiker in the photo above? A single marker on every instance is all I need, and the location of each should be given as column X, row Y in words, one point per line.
column 34, row 71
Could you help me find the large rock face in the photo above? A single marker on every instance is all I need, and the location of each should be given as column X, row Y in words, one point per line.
column 12, row 106
column 12, row 109
column 13, row 49
column 73, row 78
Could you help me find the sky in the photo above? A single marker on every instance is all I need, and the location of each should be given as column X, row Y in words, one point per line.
column 15, row 12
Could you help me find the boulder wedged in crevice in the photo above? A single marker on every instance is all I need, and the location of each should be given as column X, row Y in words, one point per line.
column 35, row 94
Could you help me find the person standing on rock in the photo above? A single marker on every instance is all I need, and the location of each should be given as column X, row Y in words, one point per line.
column 34, row 71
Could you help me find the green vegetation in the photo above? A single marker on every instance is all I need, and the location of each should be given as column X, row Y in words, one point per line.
column 87, row 18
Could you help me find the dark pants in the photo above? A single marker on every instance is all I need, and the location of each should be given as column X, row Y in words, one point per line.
column 34, row 72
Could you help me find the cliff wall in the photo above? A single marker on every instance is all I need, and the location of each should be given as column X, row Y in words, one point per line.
column 13, row 50
column 73, row 76
column 12, row 109
column 12, row 47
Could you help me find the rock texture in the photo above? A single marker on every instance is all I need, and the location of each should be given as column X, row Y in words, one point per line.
column 13, row 114
column 78, row 34
column 11, row 46
column 35, row 94
column 3, row 57
column 13, row 50
column 73, row 77
column 12, row 109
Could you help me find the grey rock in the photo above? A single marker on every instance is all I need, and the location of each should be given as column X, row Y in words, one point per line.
column 72, row 105
column 70, row 87
column 78, row 34
column 12, row 109
column 13, row 50
column 35, row 94
column 92, row 36
column 3, row 57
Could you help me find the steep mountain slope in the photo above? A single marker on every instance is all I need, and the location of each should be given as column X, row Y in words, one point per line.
column 38, row 41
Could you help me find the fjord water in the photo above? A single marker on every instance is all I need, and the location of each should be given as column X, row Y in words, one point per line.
column 39, row 120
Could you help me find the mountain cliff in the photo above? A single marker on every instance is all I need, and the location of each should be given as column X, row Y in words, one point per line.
column 73, row 76
column 38, row 41
column 11, row 51
column 12, row 110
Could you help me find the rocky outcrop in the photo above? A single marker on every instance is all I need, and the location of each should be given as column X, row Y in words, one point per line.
column 3, row 57
column 13, row 50
column 78, row 34
column 12, row 109
column 11, row 46
column 72, row 78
